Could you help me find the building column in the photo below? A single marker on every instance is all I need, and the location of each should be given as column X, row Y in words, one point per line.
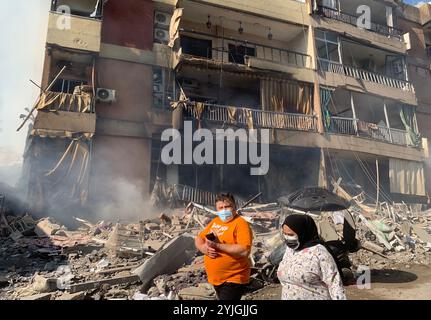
column 323, row 181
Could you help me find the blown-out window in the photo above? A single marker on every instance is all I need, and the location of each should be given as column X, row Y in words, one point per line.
column 328, row 46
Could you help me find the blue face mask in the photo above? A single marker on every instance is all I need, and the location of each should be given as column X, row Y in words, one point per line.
column 224, row 215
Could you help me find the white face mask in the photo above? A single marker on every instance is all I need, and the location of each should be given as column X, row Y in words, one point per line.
column 291, row 241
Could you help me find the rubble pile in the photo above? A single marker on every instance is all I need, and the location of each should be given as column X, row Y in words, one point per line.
column 151, row 259
column 155, row 259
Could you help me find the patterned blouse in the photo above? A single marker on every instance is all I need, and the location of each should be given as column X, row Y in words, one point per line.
column 310, row 274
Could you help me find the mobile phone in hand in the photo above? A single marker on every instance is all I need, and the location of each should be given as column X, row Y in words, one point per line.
column 211, row 237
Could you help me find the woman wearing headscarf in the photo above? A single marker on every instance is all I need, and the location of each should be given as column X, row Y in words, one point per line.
column 307, row 271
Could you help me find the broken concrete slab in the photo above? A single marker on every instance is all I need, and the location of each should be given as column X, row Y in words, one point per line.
column 204, row 291
column 44, row 285
column 72, row 296
column 46, row 228
column 326, row 231
column 40, row 296
column 421, row 233
column 152, row 226
column 406, row 228
column 156, row 245
column 173, row 256
column 74, row 288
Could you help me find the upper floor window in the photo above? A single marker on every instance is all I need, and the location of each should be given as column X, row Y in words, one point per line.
column 196, row 47
column 67, row 85
column 237, row 53
column 328, row 45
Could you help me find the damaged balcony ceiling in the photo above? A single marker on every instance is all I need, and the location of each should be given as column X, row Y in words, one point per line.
column 229, row 67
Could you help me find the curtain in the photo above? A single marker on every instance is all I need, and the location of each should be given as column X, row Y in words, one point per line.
column 407, row 115
column 59, row 101
column 325, row 99
column 406, row 177
column 286, row 96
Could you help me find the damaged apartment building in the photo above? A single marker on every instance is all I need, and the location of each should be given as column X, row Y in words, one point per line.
column 344, row 104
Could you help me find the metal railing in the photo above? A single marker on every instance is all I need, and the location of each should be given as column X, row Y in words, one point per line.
column 334, row 14
column 263, row 52
column 355, row 127
column 189, row 194
column 259, row 118
column 336, row 67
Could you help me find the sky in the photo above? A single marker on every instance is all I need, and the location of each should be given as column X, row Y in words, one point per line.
column 23, row 36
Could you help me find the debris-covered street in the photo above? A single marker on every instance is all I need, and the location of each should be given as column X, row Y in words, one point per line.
column 157, row 258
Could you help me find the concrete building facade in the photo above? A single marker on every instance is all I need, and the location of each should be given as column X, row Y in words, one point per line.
column 346, row 102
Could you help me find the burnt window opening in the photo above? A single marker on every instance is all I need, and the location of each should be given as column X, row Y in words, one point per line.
column 238, row 52
column 196, row 47
column 164, row 88
column 67, row 85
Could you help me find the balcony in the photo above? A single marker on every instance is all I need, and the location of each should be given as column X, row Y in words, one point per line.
column 361, row 74
column 236, row 52
column 74, row 31
column 244, row 117
column 384, row 30
column 65, row 115
column 355, row 127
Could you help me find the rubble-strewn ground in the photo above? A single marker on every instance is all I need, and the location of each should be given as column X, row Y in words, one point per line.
column 156, row 258
column 413, row 283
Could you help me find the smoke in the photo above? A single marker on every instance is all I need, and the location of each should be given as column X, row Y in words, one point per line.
column 123, row 201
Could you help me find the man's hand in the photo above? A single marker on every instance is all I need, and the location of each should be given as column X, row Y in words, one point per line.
column 208, row 250
column 211, row 244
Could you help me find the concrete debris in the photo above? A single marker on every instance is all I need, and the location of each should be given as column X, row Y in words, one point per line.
column 46, row 228
column 44, row 285
column 203, row 291
column 174, row 255
column 71, row 296
column 41, row 296
column 156, row 259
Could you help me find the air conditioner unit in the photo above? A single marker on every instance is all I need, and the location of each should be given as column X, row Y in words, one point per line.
column 106, row 95
column 162, row 19
column 161, row 36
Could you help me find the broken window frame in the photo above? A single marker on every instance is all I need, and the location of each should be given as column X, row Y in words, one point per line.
column 325, row 40
column 67, row 82
column 237, row 46
column 167, row 91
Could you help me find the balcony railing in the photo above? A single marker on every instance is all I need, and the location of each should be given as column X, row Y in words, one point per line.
column 259, row 118
column 353, row 20
column 355, row 127
column 264, row 52
column 335, row 67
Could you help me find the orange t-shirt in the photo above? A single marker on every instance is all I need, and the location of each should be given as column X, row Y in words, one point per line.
column 226, row 268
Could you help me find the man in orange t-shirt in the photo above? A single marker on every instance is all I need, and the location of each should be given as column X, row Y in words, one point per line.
column 226, row 243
